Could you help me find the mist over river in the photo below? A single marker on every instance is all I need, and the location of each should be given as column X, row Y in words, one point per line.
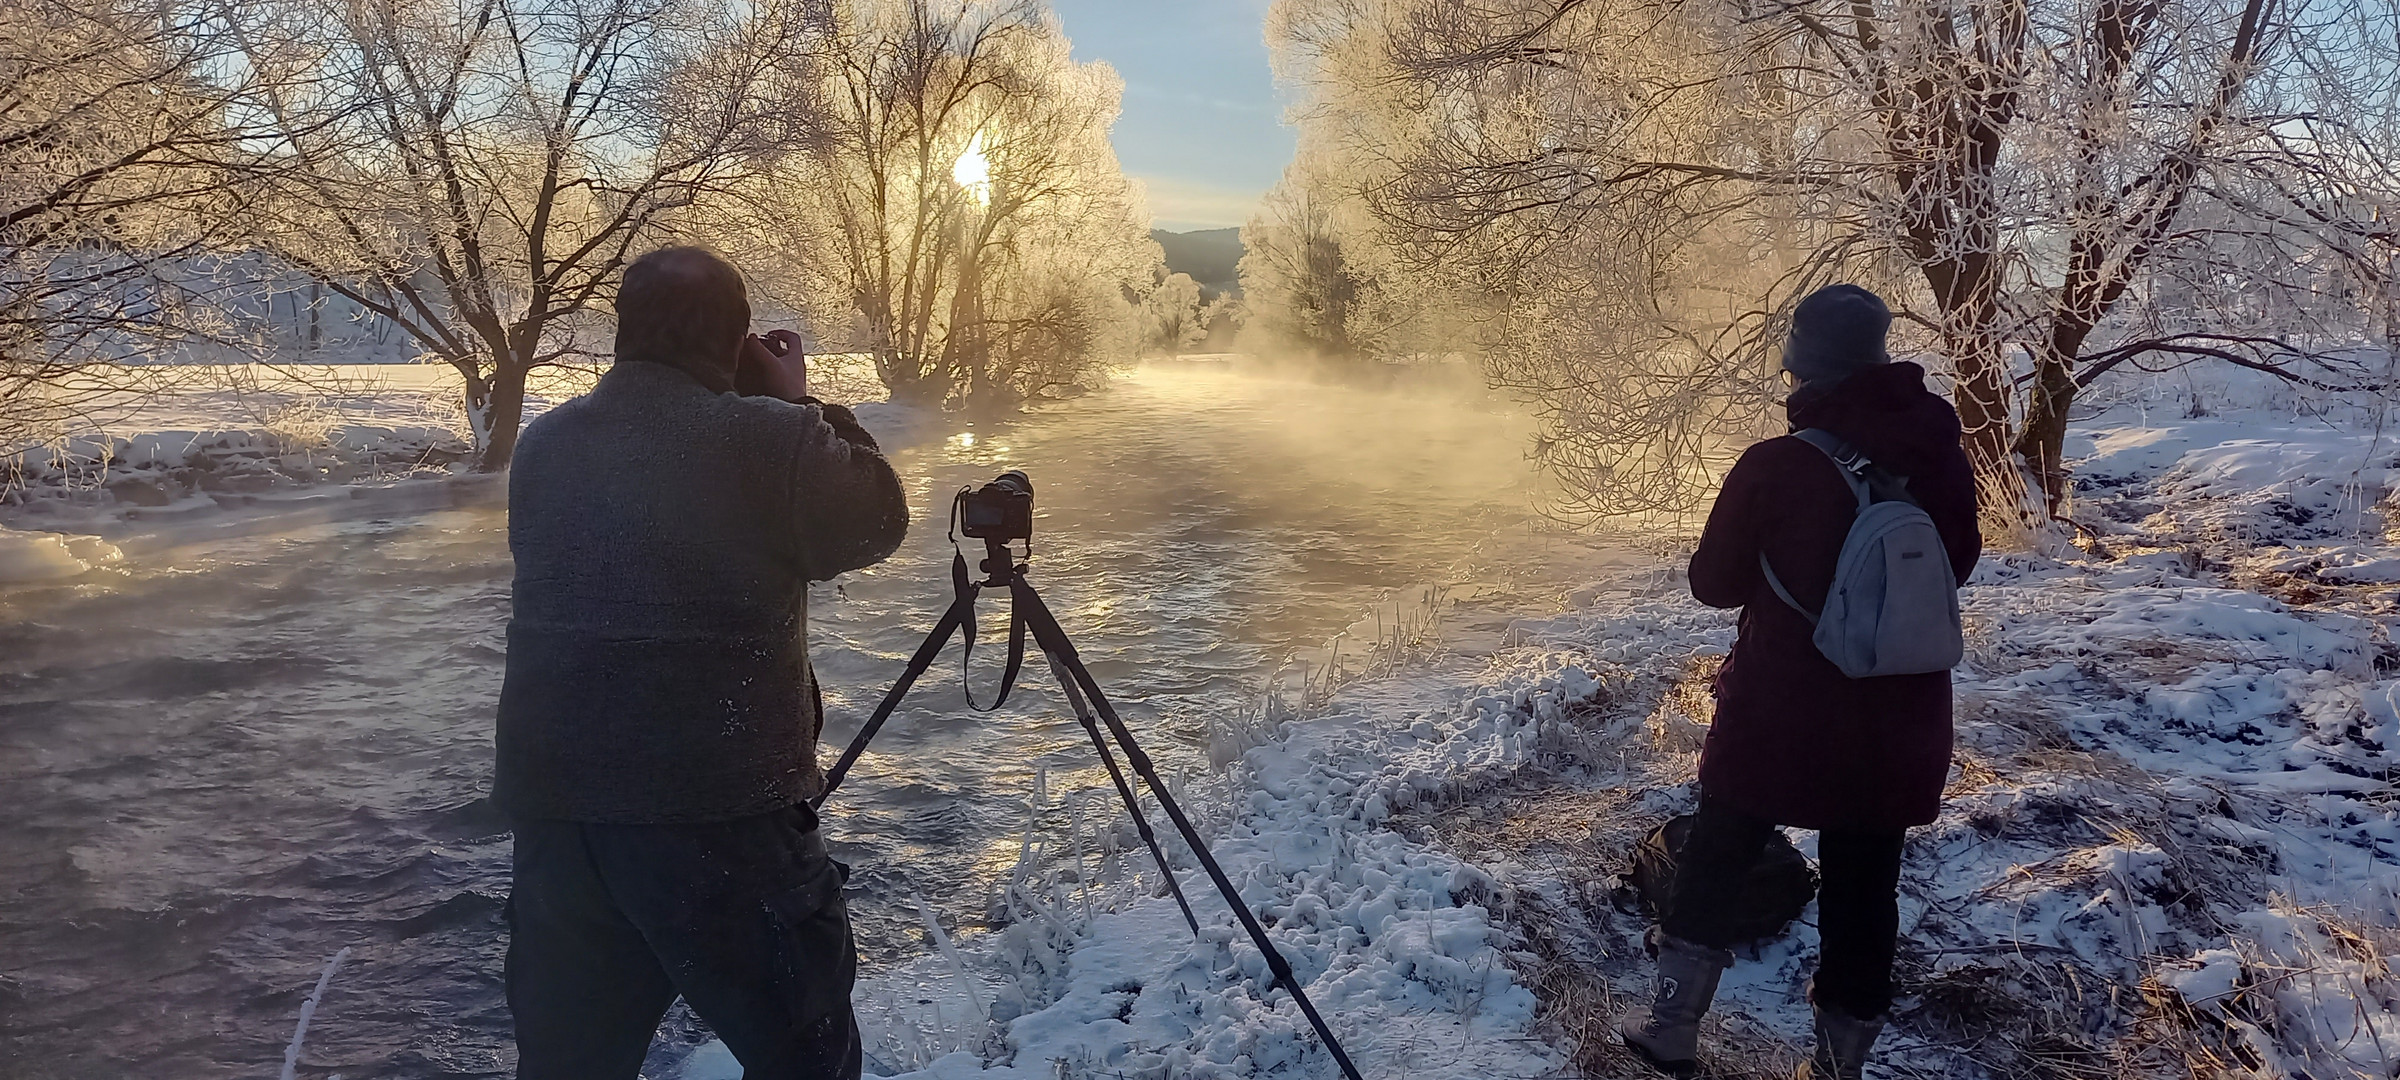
column 222, row 763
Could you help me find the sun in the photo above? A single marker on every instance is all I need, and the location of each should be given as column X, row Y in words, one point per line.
column 974, row 171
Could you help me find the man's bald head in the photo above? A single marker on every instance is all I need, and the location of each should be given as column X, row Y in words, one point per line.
column 687, row 307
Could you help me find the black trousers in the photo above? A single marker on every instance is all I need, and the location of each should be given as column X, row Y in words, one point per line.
column 1858, row 900
column 742, row 918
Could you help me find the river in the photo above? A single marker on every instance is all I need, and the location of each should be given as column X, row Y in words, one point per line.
column 226, row 762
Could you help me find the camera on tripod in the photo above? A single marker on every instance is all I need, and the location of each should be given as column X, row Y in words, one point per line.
column 1001, row 510
column 997, row 514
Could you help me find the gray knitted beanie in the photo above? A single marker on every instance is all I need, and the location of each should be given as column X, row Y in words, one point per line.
column 1837, row 331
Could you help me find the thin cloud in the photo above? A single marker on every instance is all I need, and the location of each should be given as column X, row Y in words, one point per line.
column 1181, row 205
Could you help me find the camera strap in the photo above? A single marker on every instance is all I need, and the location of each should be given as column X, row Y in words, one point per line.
column 965, row 591
column 958, row 618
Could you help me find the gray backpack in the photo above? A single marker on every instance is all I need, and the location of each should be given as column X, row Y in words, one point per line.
column 1893, row 605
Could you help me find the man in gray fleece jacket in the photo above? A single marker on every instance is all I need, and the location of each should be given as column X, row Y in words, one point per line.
column 658, row 723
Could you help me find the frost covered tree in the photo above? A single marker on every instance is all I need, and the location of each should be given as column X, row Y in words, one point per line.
column 2048, row 190
column 1173, row 318
column 119, row 164
column 479, row 172
column 1052, row 322
column 963, row 221
column 1298, row 282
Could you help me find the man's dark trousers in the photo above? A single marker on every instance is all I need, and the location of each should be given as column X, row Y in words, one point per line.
column 743, row 918
column 1858, row 901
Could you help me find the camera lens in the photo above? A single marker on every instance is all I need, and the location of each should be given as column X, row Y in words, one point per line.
column 1014, row 480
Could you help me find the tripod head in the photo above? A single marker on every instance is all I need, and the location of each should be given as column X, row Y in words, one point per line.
column 1000, row 565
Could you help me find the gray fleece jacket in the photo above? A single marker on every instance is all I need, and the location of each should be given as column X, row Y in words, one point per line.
column 665, row 536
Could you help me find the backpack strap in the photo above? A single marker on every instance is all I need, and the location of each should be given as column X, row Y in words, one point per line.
column 1854, row 465
column 1870, row 482
column 1776, row 584
column 1867, row 480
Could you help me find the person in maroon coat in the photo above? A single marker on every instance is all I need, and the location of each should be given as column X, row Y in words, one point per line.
column 1795, row 742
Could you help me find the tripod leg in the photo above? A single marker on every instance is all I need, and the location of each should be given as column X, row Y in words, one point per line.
column 1053, row 641
column 1133, row 806
column 949, row 624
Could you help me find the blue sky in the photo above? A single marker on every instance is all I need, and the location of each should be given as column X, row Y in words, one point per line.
column 1203, row 126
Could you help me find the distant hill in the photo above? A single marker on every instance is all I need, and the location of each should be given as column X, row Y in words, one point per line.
column 1209, row 255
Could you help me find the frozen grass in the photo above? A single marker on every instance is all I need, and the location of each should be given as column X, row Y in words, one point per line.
column 1398, row 636
column 1982, row 997
column 2170, row 842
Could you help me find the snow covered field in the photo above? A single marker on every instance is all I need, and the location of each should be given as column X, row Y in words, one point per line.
column 167, row 452
column 2171, row 846
column 198, row 445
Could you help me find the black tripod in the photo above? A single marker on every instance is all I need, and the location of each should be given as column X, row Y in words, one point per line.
column 1026, row 610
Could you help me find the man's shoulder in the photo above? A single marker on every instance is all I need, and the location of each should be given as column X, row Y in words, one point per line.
column 769, row 421
column 1789, row 471
column 557, row 422
column 636, row 406
column 767, row 410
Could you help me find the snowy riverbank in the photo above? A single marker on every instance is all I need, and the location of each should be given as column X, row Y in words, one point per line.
column 220, row 452
column 2170, row 848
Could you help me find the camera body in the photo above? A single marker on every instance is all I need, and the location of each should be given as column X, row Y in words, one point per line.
column 1001, row 510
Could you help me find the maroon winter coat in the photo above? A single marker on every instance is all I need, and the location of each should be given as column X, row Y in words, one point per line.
column 1795, row 741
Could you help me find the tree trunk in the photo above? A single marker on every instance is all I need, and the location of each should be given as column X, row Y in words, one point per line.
column 1982, row 399
column 2042, row 444
column 1978, row 360
column 503, row 412
column 889, row 369
column 974, row 353
column 1982, row 393
column 922, row 391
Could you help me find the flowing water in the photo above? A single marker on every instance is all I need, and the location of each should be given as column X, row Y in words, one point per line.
column 222, row 764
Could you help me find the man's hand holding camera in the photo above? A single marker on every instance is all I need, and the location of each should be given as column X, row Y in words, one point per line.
column 772, row 365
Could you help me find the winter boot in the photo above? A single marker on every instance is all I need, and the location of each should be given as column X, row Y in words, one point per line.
column 1842, row 1043
column 1667, row 1034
